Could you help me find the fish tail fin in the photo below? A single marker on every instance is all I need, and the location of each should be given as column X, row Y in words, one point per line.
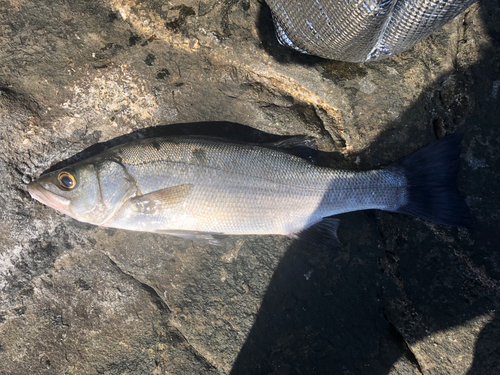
column 431, row 175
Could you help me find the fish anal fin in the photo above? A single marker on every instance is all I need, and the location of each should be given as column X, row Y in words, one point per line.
column 210, row 238
column 161, row 199
column 322, row 233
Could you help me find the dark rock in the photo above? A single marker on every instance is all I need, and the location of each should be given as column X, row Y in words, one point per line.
column 402, row 296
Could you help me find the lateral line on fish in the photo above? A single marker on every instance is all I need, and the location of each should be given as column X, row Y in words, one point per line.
column 241, row 174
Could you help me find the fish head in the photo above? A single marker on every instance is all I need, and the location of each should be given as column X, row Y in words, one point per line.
column 91, row 192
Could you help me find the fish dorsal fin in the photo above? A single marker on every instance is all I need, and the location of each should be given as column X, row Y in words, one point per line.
column 206, row 237
column 302, row 146
column 324, row 232
column 161, row 199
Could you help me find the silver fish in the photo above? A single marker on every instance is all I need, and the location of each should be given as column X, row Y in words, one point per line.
column 359, row 31
column 199, row 188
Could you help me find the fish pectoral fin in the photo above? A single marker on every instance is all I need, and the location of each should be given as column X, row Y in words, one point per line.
column 210, row 238
column 161, row 199
column 322, row 233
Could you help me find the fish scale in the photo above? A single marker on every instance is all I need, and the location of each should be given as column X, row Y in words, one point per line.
column 243, row 189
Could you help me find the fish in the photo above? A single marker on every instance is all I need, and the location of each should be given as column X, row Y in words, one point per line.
column 204, row 188
column 359, row 31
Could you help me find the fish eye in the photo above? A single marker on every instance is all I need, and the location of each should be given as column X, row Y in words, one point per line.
column 67, row 180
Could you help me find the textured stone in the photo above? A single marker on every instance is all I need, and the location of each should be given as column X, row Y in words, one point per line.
column 402, row 296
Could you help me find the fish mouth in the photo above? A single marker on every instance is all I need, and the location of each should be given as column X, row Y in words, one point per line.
column 48, row 198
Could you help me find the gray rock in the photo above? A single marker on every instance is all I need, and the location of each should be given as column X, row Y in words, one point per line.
column 402, row 296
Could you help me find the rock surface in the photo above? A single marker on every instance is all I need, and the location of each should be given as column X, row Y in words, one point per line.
column 402, row 296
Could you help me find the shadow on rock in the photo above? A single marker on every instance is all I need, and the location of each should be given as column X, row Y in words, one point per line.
column 271, row 45
column 322, row 311
column 487, row 356
column 383, row 302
